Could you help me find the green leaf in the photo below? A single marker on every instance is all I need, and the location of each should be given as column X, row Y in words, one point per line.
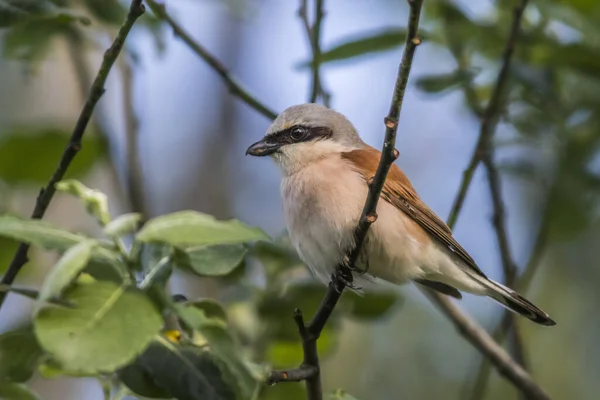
column 341, row 395
column 275, row 256
column 367, row 43
column 123, row 225
column 222, row 345
column 186, row 372
column 95, row 202
column 66, row 270
column 45, row 235
column 109, row 12
column 108, row 327
column 19, row 355
column 39, row 233
column 216, row 260
column 443, row 82
column 211, row 308
column 15, row 391
column 373, row 305
column 194, row 228
column 45, row 146
column 140, row 381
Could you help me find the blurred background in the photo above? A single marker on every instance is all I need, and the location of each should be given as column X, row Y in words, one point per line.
column 167, row 135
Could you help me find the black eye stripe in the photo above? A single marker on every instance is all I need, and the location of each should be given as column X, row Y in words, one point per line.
column 312, row 134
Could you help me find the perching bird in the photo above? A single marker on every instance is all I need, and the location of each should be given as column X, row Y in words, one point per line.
column 326, row 167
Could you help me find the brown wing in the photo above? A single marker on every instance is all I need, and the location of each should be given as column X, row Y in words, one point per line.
column 399, row 192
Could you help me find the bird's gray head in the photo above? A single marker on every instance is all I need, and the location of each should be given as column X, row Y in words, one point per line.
column 305, row 133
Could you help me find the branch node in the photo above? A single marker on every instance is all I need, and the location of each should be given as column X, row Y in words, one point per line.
column 396, row 154
column 416, row 41
column 371, row 218
column 390, row 123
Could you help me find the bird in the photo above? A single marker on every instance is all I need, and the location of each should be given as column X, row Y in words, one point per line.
column 326, row 168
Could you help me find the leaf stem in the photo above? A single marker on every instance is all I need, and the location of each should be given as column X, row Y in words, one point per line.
column 46, row 194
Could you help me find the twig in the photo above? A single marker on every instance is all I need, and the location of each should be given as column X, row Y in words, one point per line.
column 490, row 116
column 134, row 176
column 343, row 274
column 482, row 341
column 313, row 34
column 484, row 153
column 46, row 194
column 232, row 83
column 484, row 369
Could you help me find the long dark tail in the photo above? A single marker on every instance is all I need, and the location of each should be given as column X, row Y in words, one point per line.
column 517, row 303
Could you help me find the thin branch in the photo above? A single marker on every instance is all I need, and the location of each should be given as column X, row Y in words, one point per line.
column 47, row 193
column 134, row 176
column 484, row 153
column 230, row 81
column 343, row 274
column 484, row 369
column 482, row 341
column 490, row 115
column 313, row 33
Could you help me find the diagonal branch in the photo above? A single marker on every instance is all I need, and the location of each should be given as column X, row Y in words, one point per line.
column 46, row 194
column 490, row 116
column 484, row 153
column 343, row 274
column 230, row 81
column 314, row 37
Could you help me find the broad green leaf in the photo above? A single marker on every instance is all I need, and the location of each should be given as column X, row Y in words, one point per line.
column 39, row 233
column 194, row 228
column 45, row 146
column 140, row 381
column 95, row 202
column 366, row 43
column 123, row 225
column 109, row 12
column 275, row 256
column 211, row 308
column 216, row 260
column 15, row 391
column 341, row 395
column 187, row 372
column 443, row 82
column 66, row 270
column 222, row 345
column 372, row 305
column 45, row 235
column 108, row 327
column 19, row 354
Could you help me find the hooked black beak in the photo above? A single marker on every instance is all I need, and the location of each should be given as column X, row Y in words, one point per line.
column 263, row 148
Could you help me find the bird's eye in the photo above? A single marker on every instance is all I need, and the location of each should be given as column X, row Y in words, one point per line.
column 298, row 133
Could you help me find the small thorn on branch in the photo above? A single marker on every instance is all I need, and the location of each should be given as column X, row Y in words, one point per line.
column 416, row 41
column 396, row 154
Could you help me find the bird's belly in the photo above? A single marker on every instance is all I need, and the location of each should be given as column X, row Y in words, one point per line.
column 321, row 219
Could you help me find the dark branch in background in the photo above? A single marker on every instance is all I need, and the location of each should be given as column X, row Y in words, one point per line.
column 343, row 274
column 232, row 83
column 507, row 322
column 464, row 324
column 482, row 341
column 45, row 196
column 484, row 152
column 313, row 34
column 134, row 176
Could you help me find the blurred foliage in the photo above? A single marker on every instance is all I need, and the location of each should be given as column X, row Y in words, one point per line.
column 90, row 324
